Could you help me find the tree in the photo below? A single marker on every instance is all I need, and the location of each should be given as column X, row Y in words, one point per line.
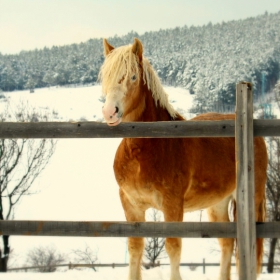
column 86, row 256
column 273, row 195
column 49, row 78
column 155, row 246
column 21, row 162
column 44, row 258
column 273, row 187
column 277, row 93
column 30, row 84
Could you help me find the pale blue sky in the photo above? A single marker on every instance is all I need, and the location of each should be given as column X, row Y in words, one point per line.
column 30, row 24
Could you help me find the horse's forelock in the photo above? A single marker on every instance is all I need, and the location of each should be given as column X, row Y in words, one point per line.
column 118, row 65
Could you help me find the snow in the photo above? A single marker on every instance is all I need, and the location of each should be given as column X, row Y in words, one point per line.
column 120, row 274
column 79, row 184
column 112, row 274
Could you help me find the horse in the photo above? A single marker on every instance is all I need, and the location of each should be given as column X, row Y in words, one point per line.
column 173, row 175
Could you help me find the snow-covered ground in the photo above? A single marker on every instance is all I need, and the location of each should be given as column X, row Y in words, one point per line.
column 121, row 274
column 78, row 184
column 82, row 103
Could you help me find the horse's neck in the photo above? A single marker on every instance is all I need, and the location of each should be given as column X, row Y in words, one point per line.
column 153, row 112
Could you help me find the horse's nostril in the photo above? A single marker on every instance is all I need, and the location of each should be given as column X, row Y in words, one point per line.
column 117, row 109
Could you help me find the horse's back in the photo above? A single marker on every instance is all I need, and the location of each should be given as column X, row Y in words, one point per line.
column 214, row 117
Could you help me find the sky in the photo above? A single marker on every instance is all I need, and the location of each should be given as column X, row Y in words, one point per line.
column 30, row 24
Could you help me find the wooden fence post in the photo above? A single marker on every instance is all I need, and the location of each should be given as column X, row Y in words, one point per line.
column 244, row 141
column 203, row 265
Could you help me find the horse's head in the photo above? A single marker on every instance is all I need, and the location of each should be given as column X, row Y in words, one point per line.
column 121, row 74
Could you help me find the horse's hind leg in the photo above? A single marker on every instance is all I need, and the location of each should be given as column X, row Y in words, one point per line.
column 219, row 213
column 260, row 217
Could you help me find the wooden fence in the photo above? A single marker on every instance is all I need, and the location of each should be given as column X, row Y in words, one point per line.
column 191, row 265
column 244, row 128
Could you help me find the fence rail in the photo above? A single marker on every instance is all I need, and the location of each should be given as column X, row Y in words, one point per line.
column 180, row 129
column 114, row 265
column 70, row 266
column 133, row 229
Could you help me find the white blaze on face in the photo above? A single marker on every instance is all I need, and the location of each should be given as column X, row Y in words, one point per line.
column 112, row 110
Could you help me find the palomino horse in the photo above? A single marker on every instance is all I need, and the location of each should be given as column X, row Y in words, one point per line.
column 172, row 175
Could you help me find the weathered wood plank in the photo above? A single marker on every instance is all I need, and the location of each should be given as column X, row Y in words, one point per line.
column 225, row 128
column 251, row 183
column 126, row 229
column 102, row 130
column 266, row 127
column 244, row 146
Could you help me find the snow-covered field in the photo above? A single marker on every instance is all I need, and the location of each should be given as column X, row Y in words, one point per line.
column 82, row 103
column 120, row 274
column 78, row 184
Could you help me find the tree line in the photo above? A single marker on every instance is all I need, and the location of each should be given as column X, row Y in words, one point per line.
column 207, row 60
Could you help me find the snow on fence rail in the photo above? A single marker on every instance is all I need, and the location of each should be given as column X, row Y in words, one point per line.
column 244, row 128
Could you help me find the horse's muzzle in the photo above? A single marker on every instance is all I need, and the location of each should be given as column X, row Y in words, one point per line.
column 111, row 115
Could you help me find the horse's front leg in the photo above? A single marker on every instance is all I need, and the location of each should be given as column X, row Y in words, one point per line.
column 135, row 248
column 174, row 213
column 135, row 245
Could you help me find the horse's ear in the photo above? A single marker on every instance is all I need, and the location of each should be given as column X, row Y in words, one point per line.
column 137, row 48
column 107, row 47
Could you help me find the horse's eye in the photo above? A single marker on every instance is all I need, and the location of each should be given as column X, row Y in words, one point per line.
column 133, row 78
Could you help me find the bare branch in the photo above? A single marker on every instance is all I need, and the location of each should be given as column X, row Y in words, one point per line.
column 21, row 160
column 155, row 247
column 273, row 187
column 87, row 255
column 45, row 258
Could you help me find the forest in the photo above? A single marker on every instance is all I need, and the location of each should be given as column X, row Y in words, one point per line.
column 207, row 60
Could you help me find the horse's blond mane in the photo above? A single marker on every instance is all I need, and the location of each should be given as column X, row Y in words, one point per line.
column 154, row 84
column 121, row 64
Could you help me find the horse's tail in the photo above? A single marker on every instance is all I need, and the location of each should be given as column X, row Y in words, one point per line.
column 236, row 248
column 260, row 217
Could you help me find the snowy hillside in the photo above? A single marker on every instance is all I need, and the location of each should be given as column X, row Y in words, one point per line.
column 208, row 60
